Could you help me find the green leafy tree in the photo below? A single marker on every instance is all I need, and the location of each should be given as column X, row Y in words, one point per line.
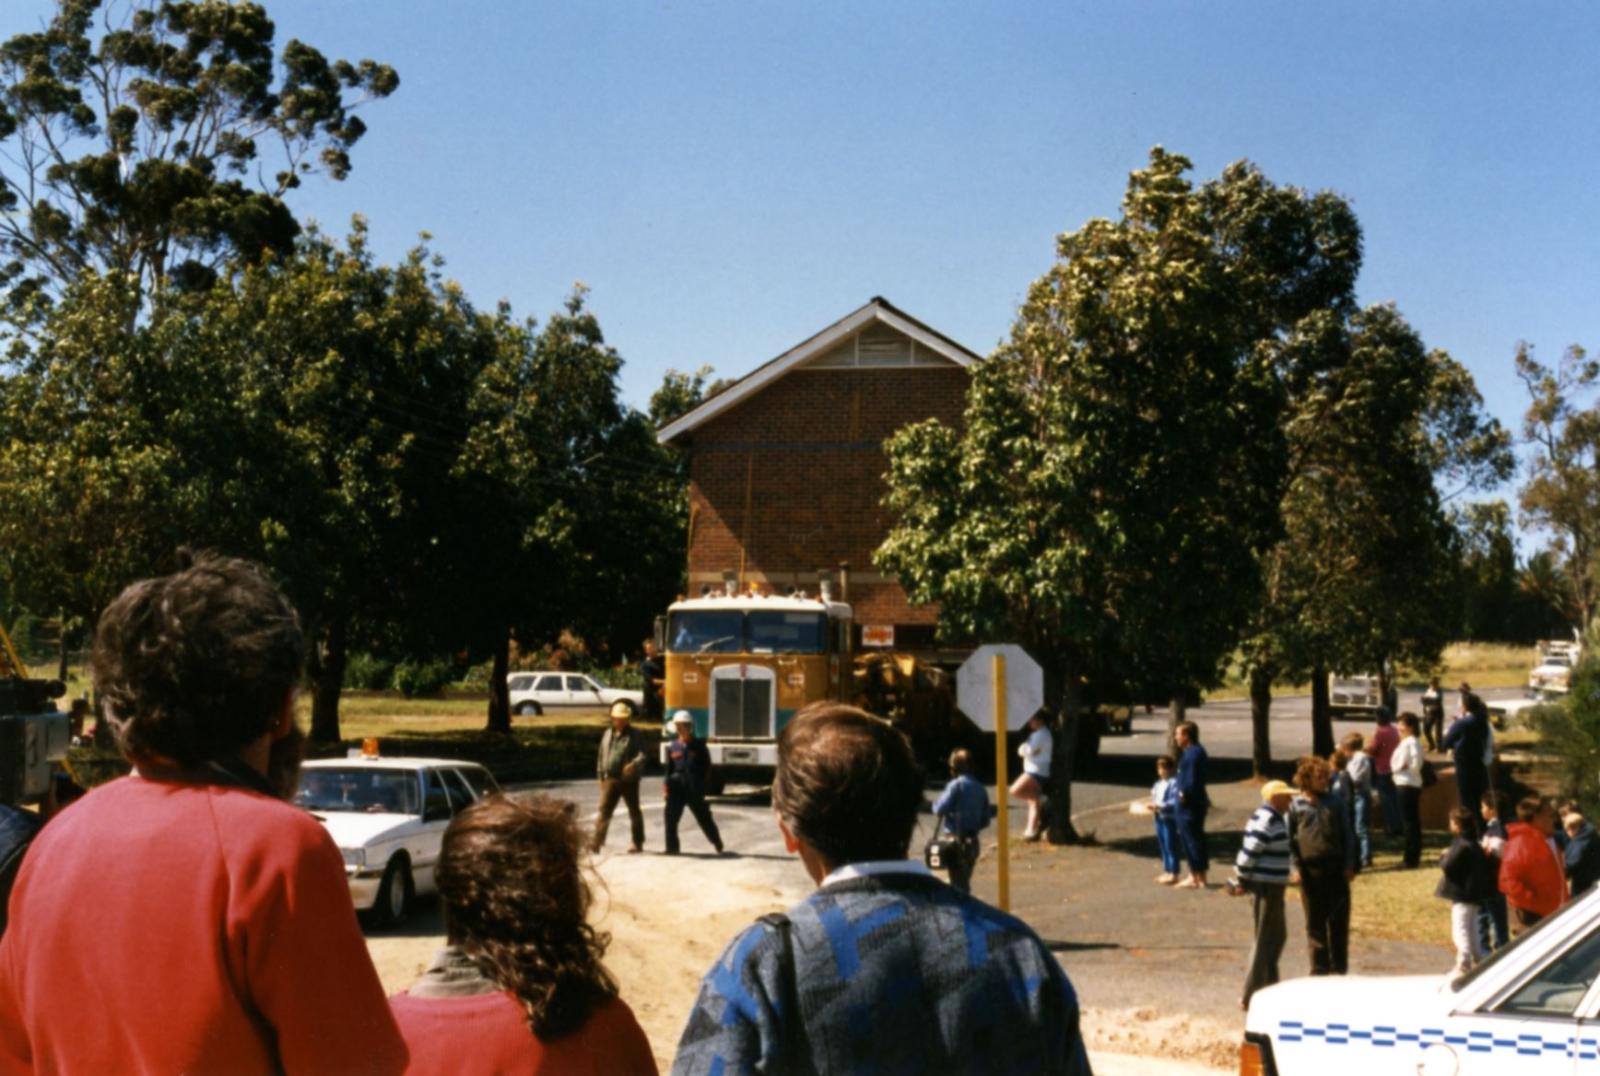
column 152, row 140
column 1562, row 491
column 1489, row 600
column 1364, row 571
column 1115, row 476
column 1570, row 732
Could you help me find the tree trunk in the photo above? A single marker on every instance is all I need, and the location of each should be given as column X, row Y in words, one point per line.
column 1058, row 825
column 1321, row 715
column 1177, row 713
column 328, row 656
column 499, row 695
column 61, row 649
column 1260, row 713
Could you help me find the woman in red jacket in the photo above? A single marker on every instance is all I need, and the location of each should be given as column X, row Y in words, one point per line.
column 520, row 987
column 1531, row 875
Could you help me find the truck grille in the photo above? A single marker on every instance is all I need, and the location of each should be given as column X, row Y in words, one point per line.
column 742, row 709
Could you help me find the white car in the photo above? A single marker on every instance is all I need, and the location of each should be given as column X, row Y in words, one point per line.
column 388, row 817
column 1553, row 674
column 535, row 692
column 1530, row 1010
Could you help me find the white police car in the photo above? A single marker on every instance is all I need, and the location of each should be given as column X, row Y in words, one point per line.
column 388, row 817
column 1533, row 1008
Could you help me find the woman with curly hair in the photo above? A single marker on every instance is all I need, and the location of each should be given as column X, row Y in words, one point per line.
column 520, row 987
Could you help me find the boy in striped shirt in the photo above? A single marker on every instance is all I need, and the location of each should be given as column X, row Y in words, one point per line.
column 1262, row 870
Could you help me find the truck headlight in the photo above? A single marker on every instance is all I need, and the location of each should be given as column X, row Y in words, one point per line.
column 354, row 857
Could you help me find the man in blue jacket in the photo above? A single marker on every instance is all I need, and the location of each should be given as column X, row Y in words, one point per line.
column 1193, row 803
column 1466, row 740
column 884, row 968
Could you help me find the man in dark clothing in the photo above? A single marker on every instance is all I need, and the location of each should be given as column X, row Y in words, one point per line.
column 884, row 968
column 1466, row 740
column 1324, row 856
column 1582, row 853
column 652, row 676
column 1193, row 803
column 619, row 765
column 688, row 764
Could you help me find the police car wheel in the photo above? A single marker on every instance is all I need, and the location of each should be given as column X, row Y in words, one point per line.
column 395, row 893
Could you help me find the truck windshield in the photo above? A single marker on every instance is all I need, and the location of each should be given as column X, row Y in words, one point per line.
column 732, row 631
column 786, row 633
column 706, row 631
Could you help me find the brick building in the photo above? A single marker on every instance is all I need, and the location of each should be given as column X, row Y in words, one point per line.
column 786, row 465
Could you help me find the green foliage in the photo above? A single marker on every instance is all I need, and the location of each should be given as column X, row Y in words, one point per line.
column 1562, row 493
column 135, row 139
column 1571, row 733
column 366, row 672
column 415, row 679
column 1118, row 469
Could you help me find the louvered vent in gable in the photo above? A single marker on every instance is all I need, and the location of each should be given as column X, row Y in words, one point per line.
column 882, row 347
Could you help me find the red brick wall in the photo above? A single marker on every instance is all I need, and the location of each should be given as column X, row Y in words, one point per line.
column 811, row 447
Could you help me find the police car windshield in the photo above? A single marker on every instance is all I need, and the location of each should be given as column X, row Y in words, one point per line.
column 359, row 789
column 733, row 631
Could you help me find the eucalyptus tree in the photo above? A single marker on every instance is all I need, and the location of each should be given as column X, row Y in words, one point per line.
column 153, row 139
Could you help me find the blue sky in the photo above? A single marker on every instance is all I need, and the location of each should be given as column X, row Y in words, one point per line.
column 728, row 178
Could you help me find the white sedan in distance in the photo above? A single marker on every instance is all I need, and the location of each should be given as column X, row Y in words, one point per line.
column 533, row 693
column 388, row 817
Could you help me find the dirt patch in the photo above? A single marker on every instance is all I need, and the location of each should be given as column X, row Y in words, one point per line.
column 669, row 918
column 1146, row 1032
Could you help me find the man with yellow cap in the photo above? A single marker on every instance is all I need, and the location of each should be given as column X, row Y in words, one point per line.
column 1262, row 870
column 620, row 765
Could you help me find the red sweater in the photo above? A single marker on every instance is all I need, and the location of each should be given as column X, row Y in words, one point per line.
column 166, row 928
column 1531, row 875
column 489, row 1034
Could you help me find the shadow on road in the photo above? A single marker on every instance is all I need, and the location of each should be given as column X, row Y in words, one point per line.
column 1078, row 947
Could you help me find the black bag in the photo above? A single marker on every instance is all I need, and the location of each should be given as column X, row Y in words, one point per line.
column 1316, row 833
column 1430, row 776
column 942, row 848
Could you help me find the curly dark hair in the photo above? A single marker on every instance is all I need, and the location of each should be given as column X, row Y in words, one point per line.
column 516, row 902
column 848, row 783
column 196, row 665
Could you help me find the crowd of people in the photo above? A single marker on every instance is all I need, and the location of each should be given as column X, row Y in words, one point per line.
column 1500, row 877
column 222, row 937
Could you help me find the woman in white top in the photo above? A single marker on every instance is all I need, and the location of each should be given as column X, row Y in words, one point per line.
column 1406, row 765
column 1029, row 787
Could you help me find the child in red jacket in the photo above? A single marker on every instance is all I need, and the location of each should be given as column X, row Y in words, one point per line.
column 1531, row 875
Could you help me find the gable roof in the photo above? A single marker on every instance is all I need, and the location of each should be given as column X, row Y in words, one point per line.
column 877, row 310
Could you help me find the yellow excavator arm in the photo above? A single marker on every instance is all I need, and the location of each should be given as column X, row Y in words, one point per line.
column 10, row 664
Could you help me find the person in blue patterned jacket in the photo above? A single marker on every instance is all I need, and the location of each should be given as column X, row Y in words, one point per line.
column 884, row 967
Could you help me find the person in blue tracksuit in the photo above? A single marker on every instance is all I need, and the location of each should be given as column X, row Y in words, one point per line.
column 1193, row 803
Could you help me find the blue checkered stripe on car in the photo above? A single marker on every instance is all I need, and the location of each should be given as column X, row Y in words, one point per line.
column 1476, row 1042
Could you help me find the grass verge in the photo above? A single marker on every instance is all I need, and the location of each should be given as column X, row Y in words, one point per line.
column 1387, row 902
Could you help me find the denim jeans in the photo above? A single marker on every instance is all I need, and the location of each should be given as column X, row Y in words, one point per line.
column 1363, row 810
column 1168, row 841
column 1389, row 799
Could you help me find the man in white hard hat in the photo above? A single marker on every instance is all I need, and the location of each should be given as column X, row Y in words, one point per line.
column 688, row 766
column 619, row 766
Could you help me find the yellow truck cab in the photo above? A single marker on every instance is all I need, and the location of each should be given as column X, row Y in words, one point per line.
column 743, row 664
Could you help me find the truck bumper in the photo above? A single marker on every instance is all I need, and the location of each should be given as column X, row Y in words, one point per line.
column 761, row 755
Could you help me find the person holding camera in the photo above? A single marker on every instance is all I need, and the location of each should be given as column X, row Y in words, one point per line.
column 222, row 937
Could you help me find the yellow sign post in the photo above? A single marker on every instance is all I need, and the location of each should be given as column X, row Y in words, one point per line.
column 1001, row 780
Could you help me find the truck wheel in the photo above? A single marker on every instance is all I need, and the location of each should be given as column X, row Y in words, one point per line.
column 395, row 894
column 529, row 709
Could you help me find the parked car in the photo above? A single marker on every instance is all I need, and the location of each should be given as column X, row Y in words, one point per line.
column 535, row 692
column 1530, row 1010
column 1552, row 676
column 388, row 817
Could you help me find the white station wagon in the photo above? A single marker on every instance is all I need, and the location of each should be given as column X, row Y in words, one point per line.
column 533, row 693
column 388, row 817
column 1532, row 1009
